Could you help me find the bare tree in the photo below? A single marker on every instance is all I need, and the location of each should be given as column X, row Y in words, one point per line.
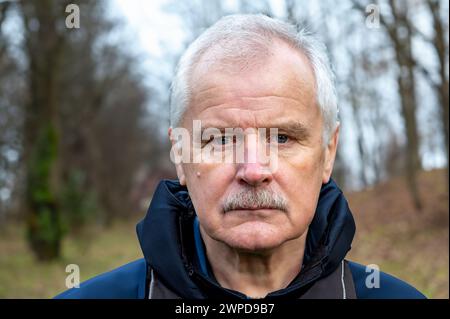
column 399, row 30
column 439, row 43
column 9, row 123
column 86, row 127
column 44, row 48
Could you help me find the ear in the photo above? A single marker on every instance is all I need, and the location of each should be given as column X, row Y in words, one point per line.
column 175, row 153
column 330, row 155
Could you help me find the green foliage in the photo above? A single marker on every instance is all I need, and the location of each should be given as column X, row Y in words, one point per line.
column 44, row 231
column 43, row 156
column 49, row 227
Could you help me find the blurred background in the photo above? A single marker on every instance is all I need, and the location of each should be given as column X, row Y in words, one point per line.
column 84, row 118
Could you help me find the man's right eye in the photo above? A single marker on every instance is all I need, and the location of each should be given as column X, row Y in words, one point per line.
column 222, row 140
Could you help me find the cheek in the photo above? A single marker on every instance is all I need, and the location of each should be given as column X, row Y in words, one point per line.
column 301, row 180
column 303, row 196
column 305, row 166
column 207, row 183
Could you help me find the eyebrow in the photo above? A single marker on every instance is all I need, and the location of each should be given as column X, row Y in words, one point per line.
column 295, row 129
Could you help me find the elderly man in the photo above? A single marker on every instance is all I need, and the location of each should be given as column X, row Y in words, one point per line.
column 240, row 226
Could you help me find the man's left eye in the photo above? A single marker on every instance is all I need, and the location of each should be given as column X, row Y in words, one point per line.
column 282, row 138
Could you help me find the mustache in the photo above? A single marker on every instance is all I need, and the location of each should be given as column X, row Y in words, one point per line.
column 252, row 198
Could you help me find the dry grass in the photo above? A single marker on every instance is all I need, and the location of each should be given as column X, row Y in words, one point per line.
column 409, row 244
column 97, row 251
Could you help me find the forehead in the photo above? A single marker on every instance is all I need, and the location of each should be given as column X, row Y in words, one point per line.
column 281, row 85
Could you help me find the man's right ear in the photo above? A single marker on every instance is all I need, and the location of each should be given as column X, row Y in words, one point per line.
column 175, row 155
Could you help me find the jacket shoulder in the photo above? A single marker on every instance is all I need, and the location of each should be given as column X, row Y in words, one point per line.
column 389, row 286
column 127, row 282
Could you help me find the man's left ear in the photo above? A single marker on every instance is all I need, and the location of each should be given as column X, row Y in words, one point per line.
column 330, row 155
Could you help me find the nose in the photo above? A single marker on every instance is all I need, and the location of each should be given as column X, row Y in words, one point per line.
column 254, row 174
column 253, row 171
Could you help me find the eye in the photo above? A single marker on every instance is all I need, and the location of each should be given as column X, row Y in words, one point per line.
column 282, row 138
column 222, row 140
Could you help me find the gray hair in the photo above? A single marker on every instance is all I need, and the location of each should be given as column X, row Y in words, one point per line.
column 242, row 37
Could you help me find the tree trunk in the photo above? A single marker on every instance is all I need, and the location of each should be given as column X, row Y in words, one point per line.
column 442, row 88
column 42, row 134
column 400, row 35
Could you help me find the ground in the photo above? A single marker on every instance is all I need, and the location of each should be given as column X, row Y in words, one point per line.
column 409, row 244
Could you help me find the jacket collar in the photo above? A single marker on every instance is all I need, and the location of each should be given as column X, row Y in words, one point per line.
column 166, row 235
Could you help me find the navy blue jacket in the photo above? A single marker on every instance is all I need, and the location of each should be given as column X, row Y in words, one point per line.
column 169, row 240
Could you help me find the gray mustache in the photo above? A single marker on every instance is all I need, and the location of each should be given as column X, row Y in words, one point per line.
column 255, row 199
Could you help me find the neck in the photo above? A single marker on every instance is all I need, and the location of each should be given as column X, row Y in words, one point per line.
column 255, row 273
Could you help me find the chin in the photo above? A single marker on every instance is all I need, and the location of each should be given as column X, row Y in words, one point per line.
column 255, row 237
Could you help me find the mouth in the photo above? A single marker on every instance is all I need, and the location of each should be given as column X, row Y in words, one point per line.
column 252, row 213
column 252, row 209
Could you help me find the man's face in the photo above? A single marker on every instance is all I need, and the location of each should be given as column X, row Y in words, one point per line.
column 280, row 94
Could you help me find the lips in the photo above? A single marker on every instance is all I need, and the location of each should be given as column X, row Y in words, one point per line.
column 251, row 208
